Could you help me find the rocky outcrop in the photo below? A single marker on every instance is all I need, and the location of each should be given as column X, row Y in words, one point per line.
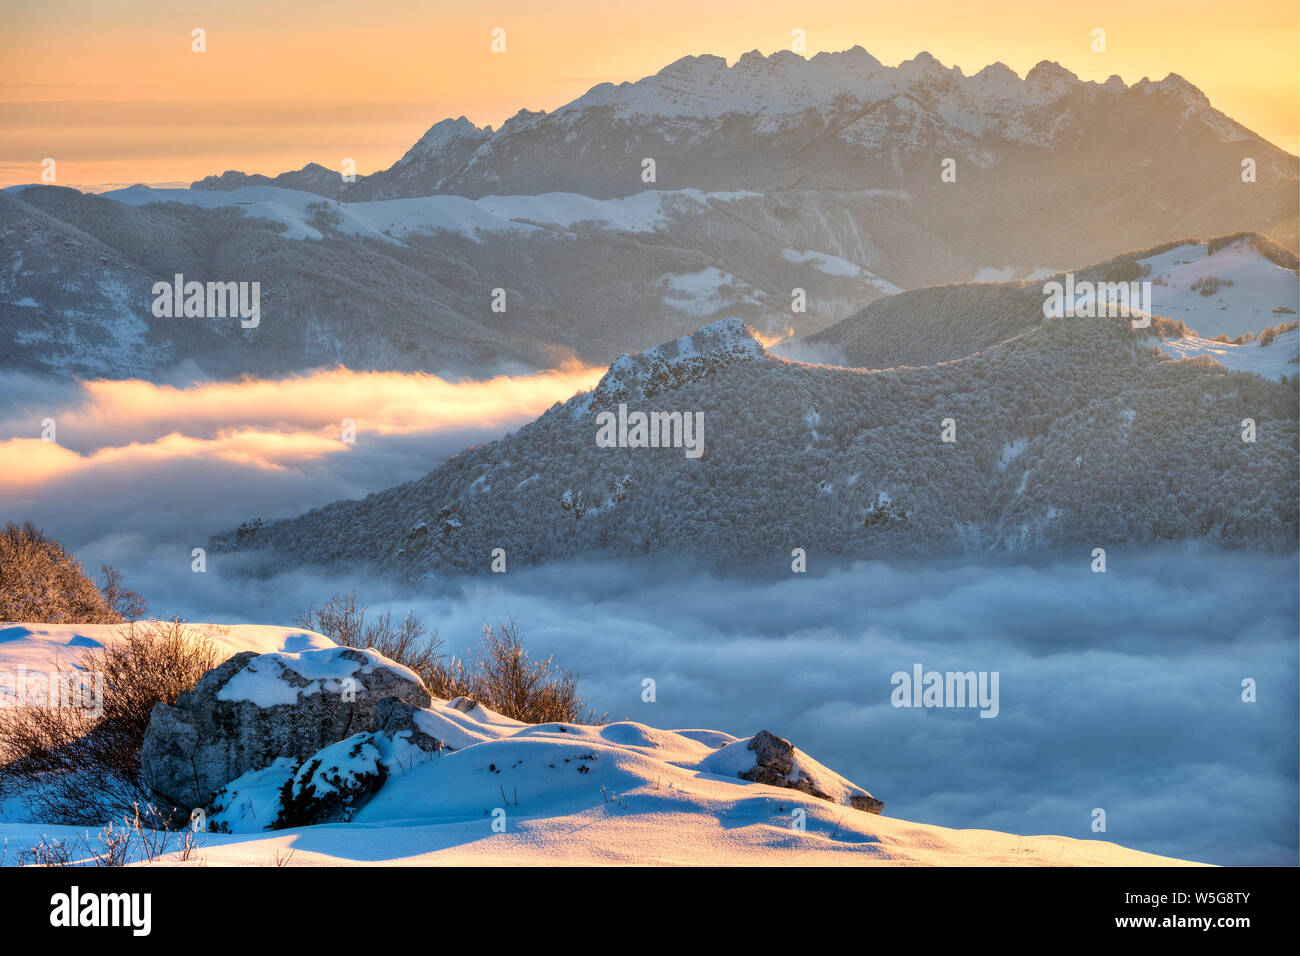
column 776, row 764
column 253, row 709
column 335, row 783
column 673, row 364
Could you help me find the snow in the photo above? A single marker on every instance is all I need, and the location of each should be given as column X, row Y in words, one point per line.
column 1011, row 451
column 702, row 293
column 1270, row 361
column 831, row 265
column 774, row 88
column 1007, row 273
column 1258, row 287
column 835, row 266
column 325, row 668
column 392, row 220
column 40, row 648
column 621, row 793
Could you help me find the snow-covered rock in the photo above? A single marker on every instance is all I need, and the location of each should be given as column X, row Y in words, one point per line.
column 253, row 709
column 777, row 763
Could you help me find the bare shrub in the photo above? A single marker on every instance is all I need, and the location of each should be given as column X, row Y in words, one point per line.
column 127, row 604
column 134, row 840
column 507, row 680
column 449, row 678
column 48, row 852
column 407, row 642
column 503, row 677
column 84, row 762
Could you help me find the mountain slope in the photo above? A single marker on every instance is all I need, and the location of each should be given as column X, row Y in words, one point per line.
column 1228, row 285
column 1094, row 153
column 404, row 284
column 1055, row 430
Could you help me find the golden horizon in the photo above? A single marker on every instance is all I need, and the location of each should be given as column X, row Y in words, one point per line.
column 116, row 95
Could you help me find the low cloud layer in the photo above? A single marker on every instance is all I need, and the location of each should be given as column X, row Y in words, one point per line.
column 157, row 463
column 1119, row 691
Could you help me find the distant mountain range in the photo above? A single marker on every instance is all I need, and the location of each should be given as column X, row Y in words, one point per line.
column 772, row 175
column 1067, row 432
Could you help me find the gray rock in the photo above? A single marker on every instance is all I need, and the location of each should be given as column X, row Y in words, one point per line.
column 774, row 761
column 866, row 802
column 332, row 785
column 253, row 709
column 394, row 716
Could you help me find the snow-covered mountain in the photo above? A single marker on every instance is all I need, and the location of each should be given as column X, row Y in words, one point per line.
column 1118, row 166
column 787, row 191
column 1052, row 426
column 772, row 175
column 1224, row 286
column 703, row 114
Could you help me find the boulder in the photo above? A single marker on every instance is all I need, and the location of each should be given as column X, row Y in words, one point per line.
column 394, row 716
column 333, row 784
column 777, row 764
column 255, row 708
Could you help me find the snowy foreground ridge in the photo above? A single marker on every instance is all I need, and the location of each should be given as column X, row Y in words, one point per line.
column 496, row 791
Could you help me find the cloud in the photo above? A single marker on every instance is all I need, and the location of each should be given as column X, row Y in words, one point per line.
column 1134, row 708
column 176, row 463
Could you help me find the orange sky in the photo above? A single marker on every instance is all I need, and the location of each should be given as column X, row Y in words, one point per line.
column 112, row 91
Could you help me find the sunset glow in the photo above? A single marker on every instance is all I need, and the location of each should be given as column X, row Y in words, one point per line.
column 113, row 91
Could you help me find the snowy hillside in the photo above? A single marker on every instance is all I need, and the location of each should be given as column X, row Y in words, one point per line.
column 391, row 220
column 422, row 273
column 1279, row 358
column 1224, row 289
column 501, row 792
column 1227, row 285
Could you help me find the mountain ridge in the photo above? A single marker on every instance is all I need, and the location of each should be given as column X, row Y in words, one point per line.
column 995, row 102
column 1053, row 427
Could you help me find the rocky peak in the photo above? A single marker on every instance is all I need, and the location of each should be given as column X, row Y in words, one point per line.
column 717, row 345
column 447, row 131
column 1051, row 78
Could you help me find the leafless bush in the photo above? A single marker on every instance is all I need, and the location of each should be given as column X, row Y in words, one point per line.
column 507, row 680
column 127, row 604
column 81, row 764
column 48, row 852
column 502, row 677
column 407, row 642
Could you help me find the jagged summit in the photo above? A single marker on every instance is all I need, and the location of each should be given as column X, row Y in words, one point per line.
column 786, row 82
column 445, row 131
column 834, row 120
